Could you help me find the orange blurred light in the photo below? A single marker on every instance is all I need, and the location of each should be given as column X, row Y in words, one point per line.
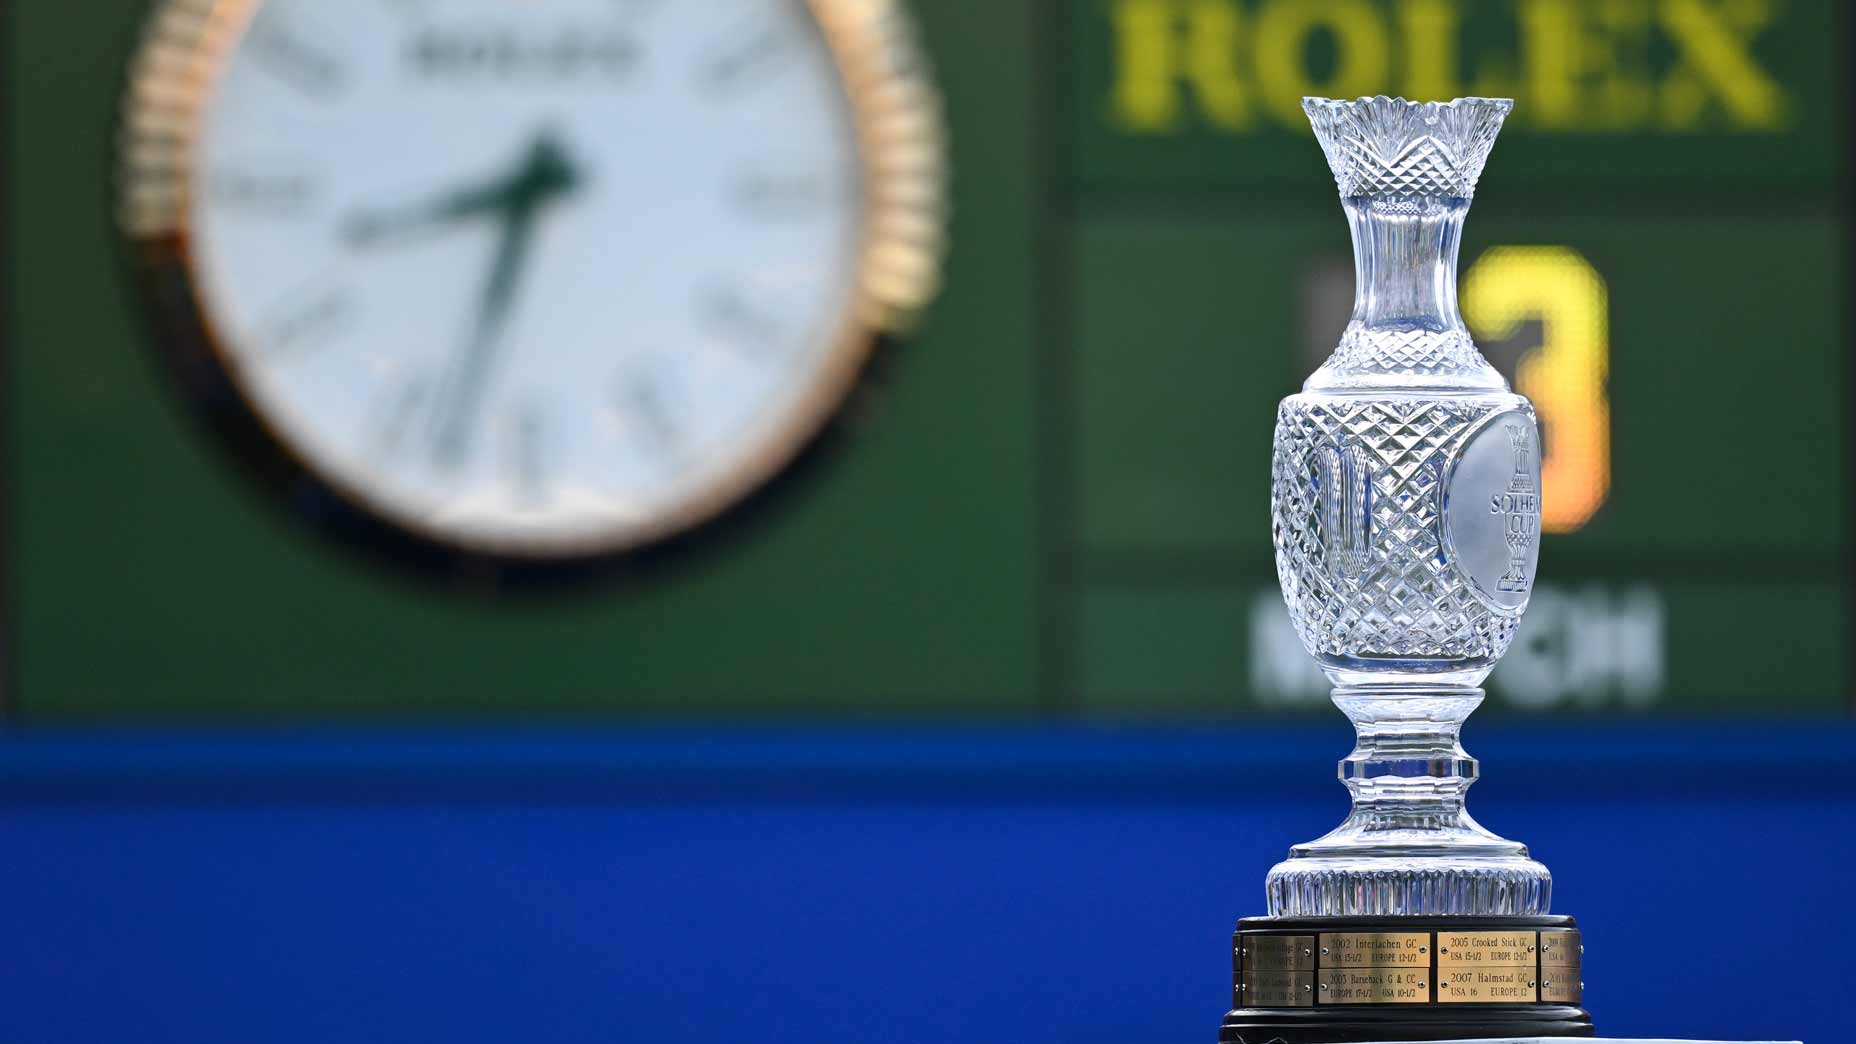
column 1565, row 376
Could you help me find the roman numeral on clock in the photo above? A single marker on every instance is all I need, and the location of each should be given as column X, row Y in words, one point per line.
column 306, row 320
column 647, row 416
column 745, row 60
column 732, row 317
column 291, row 54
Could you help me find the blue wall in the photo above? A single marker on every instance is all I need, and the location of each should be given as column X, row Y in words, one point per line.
column 840, row 885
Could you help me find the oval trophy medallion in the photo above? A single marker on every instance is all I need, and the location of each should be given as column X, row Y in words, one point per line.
column 1491, row 509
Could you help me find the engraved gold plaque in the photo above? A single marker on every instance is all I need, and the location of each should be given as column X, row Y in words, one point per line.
column 1560, row 950
column 1478, row 985
column 1276, row 989
column 1475, row 965
column 1375, row 949
column 1561, row 967
column 1374, row 986
column 1278, row 953
column 1561, row 985
column 1485, row 949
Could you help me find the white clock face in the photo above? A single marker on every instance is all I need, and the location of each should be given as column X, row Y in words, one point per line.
column 530, row 276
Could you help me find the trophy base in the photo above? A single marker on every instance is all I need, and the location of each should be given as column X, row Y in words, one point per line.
column 1260, row 1026
column 1340, row 980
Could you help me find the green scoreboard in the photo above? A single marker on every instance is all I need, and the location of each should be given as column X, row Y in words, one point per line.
column 1052, row 498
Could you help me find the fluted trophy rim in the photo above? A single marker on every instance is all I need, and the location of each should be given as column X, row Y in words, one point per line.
column 1313, row 102
column 1383, row 146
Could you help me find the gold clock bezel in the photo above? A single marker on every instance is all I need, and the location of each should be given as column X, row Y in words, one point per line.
column 898, row 135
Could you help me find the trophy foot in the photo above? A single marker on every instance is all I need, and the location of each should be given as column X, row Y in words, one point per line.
column 1408, row 847
column 1336, row 980
column 1377, row 886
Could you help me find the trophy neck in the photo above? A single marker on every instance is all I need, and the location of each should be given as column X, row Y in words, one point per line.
column 1406, row 171
column 1405, row 255
column 1406, row 331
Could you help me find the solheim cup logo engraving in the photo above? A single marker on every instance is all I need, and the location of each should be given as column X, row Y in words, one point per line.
column 1519, row 508
column 1491, row 509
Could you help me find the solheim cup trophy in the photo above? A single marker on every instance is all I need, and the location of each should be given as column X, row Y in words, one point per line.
column 1406, row 518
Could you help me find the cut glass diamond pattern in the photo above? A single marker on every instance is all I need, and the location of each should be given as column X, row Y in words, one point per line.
column 1409, row 602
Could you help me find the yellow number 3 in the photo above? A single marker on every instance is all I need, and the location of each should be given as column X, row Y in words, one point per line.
column 1565, row 376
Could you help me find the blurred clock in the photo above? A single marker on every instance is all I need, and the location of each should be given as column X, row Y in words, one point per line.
column 530, row 279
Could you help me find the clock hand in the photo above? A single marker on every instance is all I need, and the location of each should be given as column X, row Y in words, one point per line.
column 546, row 176
column 545, row 172
column 369, row 228
column 463, row 381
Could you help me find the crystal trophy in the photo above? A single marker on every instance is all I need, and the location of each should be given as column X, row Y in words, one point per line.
column 1405, row 511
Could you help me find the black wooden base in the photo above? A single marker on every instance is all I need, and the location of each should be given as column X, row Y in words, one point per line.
column 1342, row 980
column 1389, row 1022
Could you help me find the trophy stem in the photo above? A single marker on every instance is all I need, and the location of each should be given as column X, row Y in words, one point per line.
column 1408, row 769
column 1409, row 846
